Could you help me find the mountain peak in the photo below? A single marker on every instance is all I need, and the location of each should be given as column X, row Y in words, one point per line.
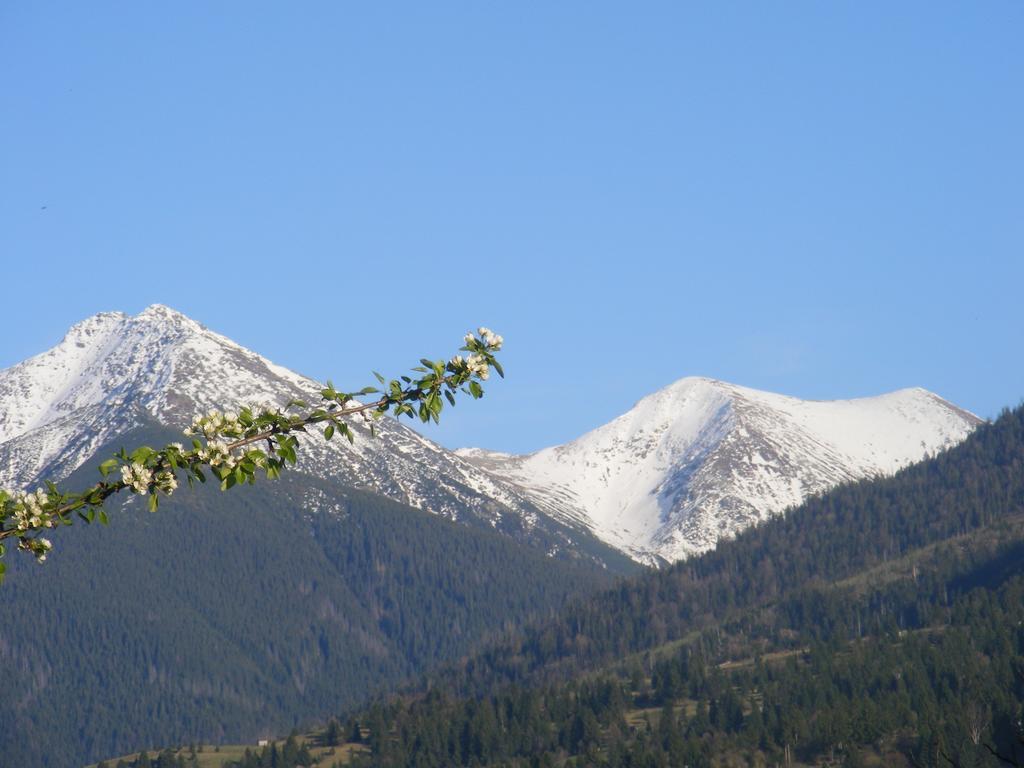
column 688, row 464
column 163, row 312
column 97, row 330
column 114, row 372
column 94, row 325
column 111, row 369
column 701, row 458
column 168, row 321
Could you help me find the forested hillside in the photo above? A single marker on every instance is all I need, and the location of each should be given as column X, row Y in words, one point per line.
column 884, row 620
column 231, row 615
column 855, row 530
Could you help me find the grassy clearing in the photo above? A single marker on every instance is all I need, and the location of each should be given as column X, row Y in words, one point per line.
column 212, row 756
column 767, row 658
column 635, row 717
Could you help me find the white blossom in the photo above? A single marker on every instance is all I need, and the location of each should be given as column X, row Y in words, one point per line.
column 167, row 482
column 478, row 366
column 215, row 424
column 216, row 453
column 29, row 510
column 38, row 547
column 136, row 477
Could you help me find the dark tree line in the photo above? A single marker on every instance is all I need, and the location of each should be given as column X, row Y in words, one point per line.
column 949, row 687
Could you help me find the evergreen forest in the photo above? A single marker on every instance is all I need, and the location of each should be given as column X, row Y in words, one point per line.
column 227, row 617
column 879, row 624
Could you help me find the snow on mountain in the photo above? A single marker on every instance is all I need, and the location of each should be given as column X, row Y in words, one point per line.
column 703, row 459
column 112, row 372
column 696, row 461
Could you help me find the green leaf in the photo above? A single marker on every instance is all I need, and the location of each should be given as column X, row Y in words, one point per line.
column 498, row 368
column 328, row 431
column 103, row 517
column 142, row 454
column 109, row 466
column 380, row 378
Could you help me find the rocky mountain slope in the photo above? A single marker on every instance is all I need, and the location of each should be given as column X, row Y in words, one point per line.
column 696, row 461
column 113, row 372
column 702, row 459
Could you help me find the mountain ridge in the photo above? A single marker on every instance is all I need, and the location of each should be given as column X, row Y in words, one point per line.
column 691, row 463
column 701, row 459
column 111, row 372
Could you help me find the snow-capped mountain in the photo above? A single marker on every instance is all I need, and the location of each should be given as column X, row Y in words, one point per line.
column 113, row 372
column 696, row 461
column 702, row 459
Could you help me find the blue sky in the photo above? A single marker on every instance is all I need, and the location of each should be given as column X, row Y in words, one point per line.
column 819, row 199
